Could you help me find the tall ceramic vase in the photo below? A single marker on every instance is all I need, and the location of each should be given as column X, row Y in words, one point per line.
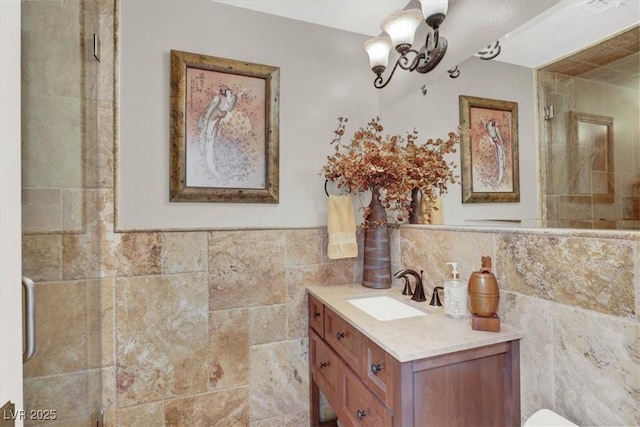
column 415, row 212
column 377, row 258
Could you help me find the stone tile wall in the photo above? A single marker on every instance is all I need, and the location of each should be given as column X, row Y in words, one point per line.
column 577, row 298
column 217, row 335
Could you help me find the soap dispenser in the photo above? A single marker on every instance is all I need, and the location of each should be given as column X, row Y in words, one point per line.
column 455, row 294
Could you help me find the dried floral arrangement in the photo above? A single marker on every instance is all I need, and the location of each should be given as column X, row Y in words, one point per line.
column 393, row 164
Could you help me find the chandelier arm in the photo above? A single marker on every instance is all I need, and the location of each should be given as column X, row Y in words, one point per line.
column 403, row 60
column 379, row 82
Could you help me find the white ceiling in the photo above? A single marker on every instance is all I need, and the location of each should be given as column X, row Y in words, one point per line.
column 357, row 16
column 558, row 31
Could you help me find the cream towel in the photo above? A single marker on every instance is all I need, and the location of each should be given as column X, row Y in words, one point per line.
column 432, row 211
column 341, row 226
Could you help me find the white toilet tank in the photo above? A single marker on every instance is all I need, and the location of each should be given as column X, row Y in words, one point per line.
column 547, row 418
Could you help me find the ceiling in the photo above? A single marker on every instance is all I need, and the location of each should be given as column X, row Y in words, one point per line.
column 558, row 31
column 357, row 16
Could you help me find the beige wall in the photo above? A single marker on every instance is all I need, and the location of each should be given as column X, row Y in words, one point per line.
column 324, row 74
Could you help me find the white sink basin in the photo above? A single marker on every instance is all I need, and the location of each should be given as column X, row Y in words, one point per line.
column 385, row 308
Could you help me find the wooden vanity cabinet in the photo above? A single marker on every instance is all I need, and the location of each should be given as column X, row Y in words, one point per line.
column 368, row 387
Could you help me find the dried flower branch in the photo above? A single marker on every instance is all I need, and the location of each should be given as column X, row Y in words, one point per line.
column 390, row 163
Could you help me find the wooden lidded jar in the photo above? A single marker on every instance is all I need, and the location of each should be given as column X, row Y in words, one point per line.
column 484, row 293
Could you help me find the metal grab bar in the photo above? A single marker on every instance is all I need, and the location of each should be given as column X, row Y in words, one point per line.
column 30, row 318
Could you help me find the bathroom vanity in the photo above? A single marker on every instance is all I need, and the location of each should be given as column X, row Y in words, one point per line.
column 417, row 371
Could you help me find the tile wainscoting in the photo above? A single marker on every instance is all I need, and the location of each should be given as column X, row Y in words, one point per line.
column 576, row 295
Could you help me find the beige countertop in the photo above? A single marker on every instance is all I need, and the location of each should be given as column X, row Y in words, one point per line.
column 410, row 338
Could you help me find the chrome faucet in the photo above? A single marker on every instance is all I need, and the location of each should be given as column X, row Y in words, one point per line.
column 418, row 293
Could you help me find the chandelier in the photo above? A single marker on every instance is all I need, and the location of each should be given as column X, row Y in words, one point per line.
column 400, row 27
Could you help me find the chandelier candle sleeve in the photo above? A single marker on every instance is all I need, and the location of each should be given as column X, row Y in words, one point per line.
column 401, row 27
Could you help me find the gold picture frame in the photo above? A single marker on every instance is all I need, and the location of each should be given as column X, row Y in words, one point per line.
column 489, row 150
column 224, row 130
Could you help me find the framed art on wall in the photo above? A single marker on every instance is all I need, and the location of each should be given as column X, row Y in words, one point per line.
column 224, row 130
column 489, row 150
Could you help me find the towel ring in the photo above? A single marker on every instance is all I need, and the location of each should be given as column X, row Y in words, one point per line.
column 326, row 181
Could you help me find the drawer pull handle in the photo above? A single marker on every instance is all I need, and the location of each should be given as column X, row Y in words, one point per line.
column 324, row 365
column 376, row 367
column 316, row 315
column 340, row 335
column 361, row 414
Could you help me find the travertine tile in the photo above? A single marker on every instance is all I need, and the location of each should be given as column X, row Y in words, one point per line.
column 161, row 337
column 68, row 333
column 52, row 53
column 98, row 158
column 81, row 251
column 107, row 303
column 595, row 274
column 304, row 247
column 42, row 257
column 108, row 378
column 246, row 268
column 301, row 276
column 267, row 324
column 151, row 414
column 73, row 396
column 41, row 210
column 184, row 252
column 290, row 420
column 535, row 318
column 597, row 367
column 427, row 250
column 469, row 248
column 279, row 379
column 131, row 254
column 228, row 349
column 81, row 255
column 225, row 408
column 73, row 210
column 52, row 142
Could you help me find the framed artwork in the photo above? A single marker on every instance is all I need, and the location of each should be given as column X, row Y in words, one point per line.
column 490, row 162
column 224, row 130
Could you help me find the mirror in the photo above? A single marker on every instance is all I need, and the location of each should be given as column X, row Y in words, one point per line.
column 589, row 139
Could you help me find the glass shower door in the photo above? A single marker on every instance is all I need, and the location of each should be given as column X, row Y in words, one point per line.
column 61, row 250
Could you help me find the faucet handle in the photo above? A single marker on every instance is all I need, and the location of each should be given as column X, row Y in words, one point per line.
column 407, row 286
column 435, row 298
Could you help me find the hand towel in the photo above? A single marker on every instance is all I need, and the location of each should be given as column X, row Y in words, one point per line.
column 341, row 226
column 432, row 211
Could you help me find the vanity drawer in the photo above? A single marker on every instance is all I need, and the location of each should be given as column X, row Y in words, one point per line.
column 358, row 406
column 325, row 367
column 379, row 370
column 344, row 338
column 316, row 315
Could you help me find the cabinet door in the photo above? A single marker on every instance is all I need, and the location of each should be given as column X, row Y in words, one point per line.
column 344, row 338
column 324, row 368
column 358, row 406
column 316, row 315
column 379, row 369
